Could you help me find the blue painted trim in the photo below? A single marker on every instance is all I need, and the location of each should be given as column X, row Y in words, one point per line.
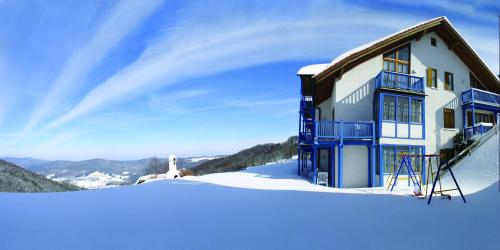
column 315, row 167
column 423, row 119
column 340, row 164
column 373, row 164
column 481, row 107
column 396, row 116
column 412, row 83
column 381, row 167
column 345, row 142
column 473, row 115
column 409, row 116
column 369, row 149
column 332, row 165
column 424, row 167
column 299, row 160
column 380, row 114
column 464, row 118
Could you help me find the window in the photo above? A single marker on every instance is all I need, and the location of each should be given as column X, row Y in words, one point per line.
column 401, row 150
column 431, row 78
column 416, row 162
column 482, row 117
column 398, row 60
column 389, row 107
column 403, row 109
column 388, row 154
column 416, row 111
column 448, row 81
column 392, row 158
column 449, row 118
column 433, row 42
column 474, row 82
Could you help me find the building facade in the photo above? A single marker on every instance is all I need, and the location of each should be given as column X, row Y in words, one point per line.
column 407, row 93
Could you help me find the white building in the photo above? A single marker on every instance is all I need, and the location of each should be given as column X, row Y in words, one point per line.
column 407, row 93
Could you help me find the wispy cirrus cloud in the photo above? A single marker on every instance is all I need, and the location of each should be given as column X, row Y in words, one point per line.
column 194, row 100
column 4, row 93
column 485, row 10
column 62, row 137
column 199, row 47
column 124, row 18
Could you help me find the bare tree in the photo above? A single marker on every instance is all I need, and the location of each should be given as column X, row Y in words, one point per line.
column 157, row 166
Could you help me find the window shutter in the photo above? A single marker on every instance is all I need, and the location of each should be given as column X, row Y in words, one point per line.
column 429, row 77
column 449, row 118
column 446, row 80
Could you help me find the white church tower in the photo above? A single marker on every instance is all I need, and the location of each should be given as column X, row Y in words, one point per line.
column 172, row 167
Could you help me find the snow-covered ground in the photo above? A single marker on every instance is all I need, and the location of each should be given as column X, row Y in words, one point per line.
column 203, row 158
column 266, row 207
column 95, row 180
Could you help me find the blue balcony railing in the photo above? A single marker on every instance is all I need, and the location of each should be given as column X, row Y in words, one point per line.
column 477, row 130
column 480, row 96
column 344, row 130
column 399, row 81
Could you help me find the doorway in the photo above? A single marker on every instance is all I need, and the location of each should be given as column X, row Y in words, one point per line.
column 325, row 164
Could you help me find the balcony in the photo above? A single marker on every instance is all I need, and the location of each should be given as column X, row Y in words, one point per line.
column 472, row 96
column 479, row 129
column 400, row 82
column 343, row 130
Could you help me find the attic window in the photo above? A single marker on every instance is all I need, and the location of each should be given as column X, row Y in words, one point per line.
column 433, row 42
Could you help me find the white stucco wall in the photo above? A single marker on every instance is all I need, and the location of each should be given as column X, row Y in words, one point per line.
column 326, row 110
column 354, row 91
column 423, row 55
column 355, row 171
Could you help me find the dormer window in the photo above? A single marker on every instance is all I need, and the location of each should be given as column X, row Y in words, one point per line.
column 398, row 60
column 433, row 42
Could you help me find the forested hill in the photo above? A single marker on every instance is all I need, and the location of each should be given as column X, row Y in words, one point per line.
column 254, row 156
column 17, row 179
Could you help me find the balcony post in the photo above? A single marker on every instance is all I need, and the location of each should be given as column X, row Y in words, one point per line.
column 372, row 156
column 423, row 173
column 315, row 167
column 464, row 111
column 340, row 164
column 315, row 132
column 331, row 175
column 341, row 136
column 298, row 160
column 473, row 116
column 381, row 169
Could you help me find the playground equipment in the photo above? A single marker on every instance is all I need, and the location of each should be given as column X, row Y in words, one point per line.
column 435, row 177
column 438, row 178
column 406, row 162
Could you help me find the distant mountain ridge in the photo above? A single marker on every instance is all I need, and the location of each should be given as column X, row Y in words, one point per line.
column 254, row 156
column 16, row 179
column 95, row 173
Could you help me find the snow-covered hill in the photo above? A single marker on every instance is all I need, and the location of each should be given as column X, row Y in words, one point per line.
column 266, row 207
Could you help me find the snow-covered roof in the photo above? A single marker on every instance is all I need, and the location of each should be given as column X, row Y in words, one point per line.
column 370, row 44
column 312, row 69
column 357, row 53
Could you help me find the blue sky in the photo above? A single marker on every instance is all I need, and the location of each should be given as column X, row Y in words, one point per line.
column 134, row 79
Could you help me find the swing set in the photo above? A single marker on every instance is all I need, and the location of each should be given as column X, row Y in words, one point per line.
column 406, row 162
